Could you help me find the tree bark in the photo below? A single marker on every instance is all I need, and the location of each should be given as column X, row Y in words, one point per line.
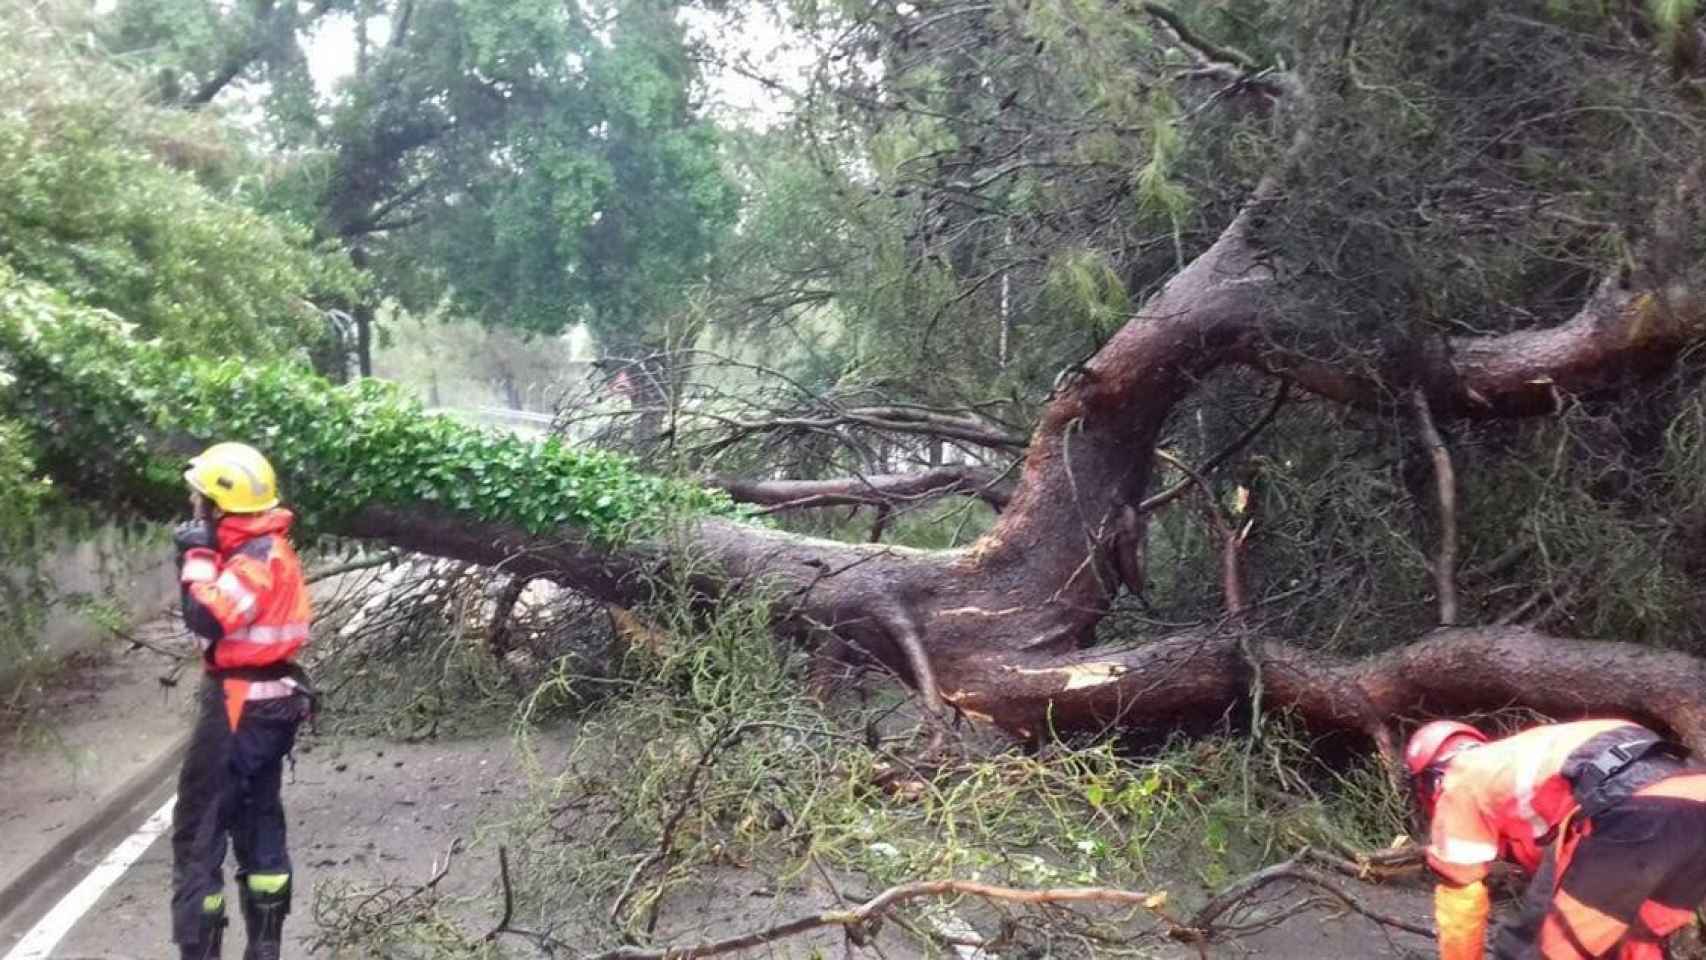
column 364, row 338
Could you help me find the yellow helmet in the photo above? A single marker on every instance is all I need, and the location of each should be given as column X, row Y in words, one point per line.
column 235, row 477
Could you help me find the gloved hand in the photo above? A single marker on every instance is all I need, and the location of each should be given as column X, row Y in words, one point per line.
column 193, row 535
column 1461, row 912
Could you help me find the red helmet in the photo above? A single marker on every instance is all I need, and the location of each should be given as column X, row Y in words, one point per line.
column 1433, row 739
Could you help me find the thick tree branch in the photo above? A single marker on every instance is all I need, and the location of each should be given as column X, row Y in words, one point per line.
column 1448, row 671
column 1619, row 332
column 272, row 25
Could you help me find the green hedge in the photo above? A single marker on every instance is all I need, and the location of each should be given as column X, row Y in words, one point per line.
column 95, row 400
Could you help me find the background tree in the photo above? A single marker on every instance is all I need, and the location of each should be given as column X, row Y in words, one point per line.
column 504, row 159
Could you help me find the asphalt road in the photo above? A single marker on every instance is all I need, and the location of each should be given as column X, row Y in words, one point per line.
column 362, row 814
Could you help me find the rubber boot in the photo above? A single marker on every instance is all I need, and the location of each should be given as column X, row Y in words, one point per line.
column 212, row 934
column 263, row 918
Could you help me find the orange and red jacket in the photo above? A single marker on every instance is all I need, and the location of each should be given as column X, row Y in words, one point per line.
column 247, row 600
column 1503, row 799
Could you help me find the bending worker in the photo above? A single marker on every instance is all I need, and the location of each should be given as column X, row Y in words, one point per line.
column 244, row 596
column 1607, row 817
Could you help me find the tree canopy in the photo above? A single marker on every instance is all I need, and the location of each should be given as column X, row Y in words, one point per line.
column 131, row 209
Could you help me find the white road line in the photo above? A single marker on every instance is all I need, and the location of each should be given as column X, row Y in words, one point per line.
column 38, row 944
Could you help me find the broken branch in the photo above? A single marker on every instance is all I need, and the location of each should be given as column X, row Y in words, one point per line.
column 859, row 917
column 990, row 486
column 1217, row 53
column 1203, row 924
column 1445, row 491
column 1151, row 504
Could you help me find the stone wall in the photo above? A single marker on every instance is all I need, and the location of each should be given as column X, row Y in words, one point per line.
column 125, row 573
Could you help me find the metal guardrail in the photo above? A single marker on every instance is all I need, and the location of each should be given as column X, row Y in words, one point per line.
column 499, row 416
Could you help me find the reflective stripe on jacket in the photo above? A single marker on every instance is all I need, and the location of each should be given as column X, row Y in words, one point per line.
column 1504, row 799
column 248, row 600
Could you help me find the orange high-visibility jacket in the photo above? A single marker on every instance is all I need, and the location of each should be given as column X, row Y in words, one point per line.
column 248, row 600
column 1504, row 799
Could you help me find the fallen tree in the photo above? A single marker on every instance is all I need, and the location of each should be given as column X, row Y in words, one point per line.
column 1002, row 630
column 999, row 630
column 1005, row 629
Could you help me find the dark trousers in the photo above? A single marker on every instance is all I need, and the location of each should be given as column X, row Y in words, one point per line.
column 1517, row 940
column 1631, row 877
column 228, row 790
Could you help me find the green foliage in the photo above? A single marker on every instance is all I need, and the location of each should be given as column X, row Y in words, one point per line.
column 1083, row 286
column 22, row 595
column 1672, row 15
column 1157, row 193
column 525, row 164
column 90, row 204
column 22, row 489
column 336, row 449
column 713, row 737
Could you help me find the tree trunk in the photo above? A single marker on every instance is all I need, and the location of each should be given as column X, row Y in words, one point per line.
column 1003, row 630
column 364, row 338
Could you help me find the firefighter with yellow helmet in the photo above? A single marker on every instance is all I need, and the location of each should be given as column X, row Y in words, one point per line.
column 244, row 597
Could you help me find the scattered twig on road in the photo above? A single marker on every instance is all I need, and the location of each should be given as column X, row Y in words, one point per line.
column 1370, row 867
column 544, row 941
column 859, row 918
column 1203, row 925
column 724, row 738
column 343, row 917
column 137, row 643
column 858, row 921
